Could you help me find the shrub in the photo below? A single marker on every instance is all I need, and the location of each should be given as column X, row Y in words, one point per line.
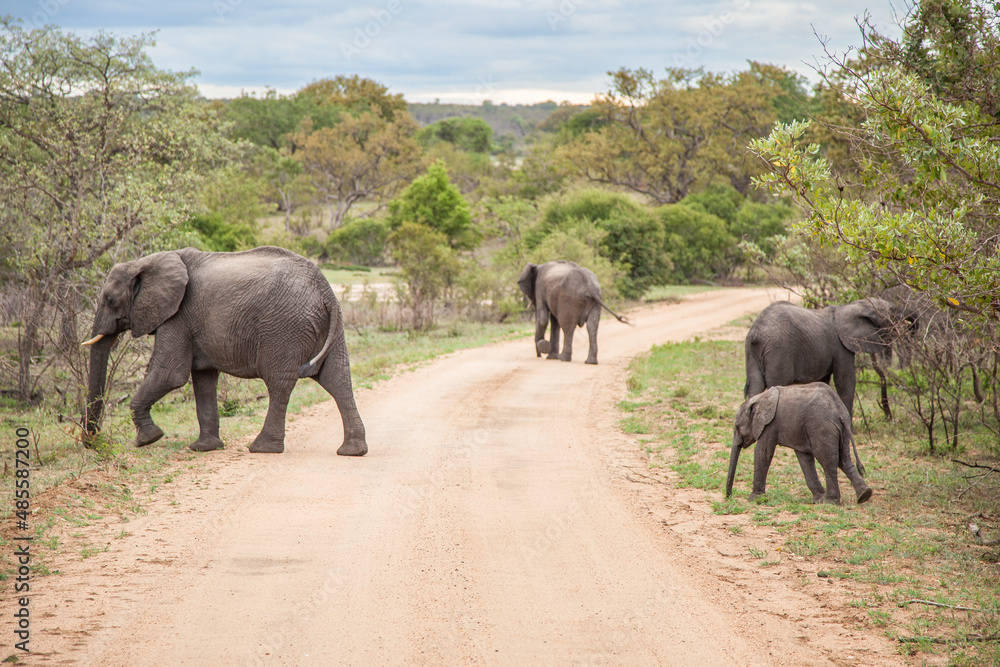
column 218, row 235
column 427, row 264
column 361, row 241
column 698, row 242
column 432, row 201
column 633, row 238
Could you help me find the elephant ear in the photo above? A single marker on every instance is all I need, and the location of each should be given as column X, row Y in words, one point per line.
column 762, row 408
column 527, row 281
column 859, row 326
column 158, row 288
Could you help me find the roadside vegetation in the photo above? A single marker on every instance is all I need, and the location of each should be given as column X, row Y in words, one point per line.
column 918, row 572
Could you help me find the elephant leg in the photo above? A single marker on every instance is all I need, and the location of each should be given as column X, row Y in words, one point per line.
column 845, row 377
column 829, row 461
column 541, row 324
column 593, row 320
column 567, row 351
column 861, row 489
column 271, row 439
column 808, row 464
column 335, row 377
column 206, row 400
column 762, row 455
column 554, row 345
column 159, row 381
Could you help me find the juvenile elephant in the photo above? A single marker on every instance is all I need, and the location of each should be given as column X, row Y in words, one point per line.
column 812, row 420
column 789, row 344
column 264, row 313
column 568, row 295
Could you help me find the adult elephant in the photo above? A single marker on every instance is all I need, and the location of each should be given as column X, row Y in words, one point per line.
column 569, row 296
column 788, row 344
column 264, row 313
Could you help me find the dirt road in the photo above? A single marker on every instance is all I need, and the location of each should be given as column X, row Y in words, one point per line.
column 491, row 523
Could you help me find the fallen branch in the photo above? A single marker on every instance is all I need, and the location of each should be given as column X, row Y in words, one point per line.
column 939, row 604
column 992, row 468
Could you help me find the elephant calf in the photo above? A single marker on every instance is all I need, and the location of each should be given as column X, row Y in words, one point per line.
column 812, row 420
column 264, row 313
column 568, row 295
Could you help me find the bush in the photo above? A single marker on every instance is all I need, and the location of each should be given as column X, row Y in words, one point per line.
column 577, row 243
column 722, row 201
column 220, row 236
column 633, row 238
column 698, row 242
column 361, row 241
column 427, row 264
column 432, row 201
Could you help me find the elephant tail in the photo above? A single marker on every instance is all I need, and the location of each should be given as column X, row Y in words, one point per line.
column 623, row 320
column 311, row 367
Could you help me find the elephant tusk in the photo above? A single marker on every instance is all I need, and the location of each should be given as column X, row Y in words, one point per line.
column 92, row 340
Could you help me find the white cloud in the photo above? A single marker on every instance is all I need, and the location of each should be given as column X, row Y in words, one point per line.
column 438, row 48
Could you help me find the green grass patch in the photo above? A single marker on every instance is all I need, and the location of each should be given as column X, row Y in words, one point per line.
column 911, row 541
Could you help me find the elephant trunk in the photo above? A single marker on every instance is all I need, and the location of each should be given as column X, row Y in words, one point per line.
column 100, row 351
column 734, row 459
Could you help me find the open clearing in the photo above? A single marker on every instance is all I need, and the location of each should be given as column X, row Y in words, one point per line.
column 500, row 518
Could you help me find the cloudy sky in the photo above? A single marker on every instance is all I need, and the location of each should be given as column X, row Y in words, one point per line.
column 467, row 51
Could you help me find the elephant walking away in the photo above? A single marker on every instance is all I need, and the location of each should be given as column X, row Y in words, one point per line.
column 789, row 344
column 567, row 295
column 812, row 420
column 263, row 313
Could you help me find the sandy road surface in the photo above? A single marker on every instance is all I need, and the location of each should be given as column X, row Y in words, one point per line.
column 489, row 524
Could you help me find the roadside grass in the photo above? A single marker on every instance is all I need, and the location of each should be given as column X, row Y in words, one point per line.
column 673, row 293
column 908, row 546
column 73, row 487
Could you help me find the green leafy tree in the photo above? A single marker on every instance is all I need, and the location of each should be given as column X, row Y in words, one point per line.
column 432, row 200
column 100, row 152
column 362, row 158
column 427, row 264
column 921, row 207
column 666, row 138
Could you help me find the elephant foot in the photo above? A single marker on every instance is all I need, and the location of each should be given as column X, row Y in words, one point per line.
column 206, row 443
column 543, row 346
column 591, row 360
column 553, row 355
column 147, row 435
column 353, row 448
column 754, row 496
column 864, row 494
column 827, row 500
column 264, row 445
column 567, row 357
